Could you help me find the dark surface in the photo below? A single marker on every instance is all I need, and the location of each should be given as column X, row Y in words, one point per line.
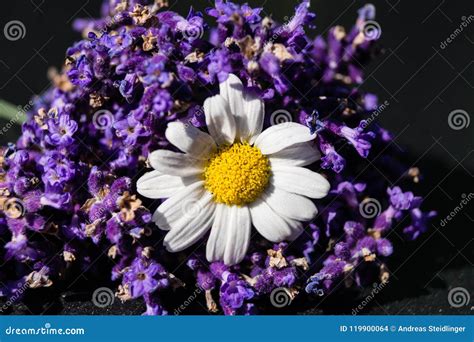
column 421, row 81
column 402, row 297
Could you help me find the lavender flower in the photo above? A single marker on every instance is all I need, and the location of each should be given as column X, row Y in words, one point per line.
column 68, row 186
column 142, row 278
column 61, row 131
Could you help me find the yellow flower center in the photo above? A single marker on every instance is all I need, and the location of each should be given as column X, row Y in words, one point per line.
column 237, row 174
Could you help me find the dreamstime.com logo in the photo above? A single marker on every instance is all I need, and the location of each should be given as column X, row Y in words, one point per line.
column 459, row 119
column 280, row 30
column 103, row 119
column 375, row 114
column 458, row 297
column 192, row 32
column 466, row 198
column 19, row 117
column 192, row 297
column 21, row 288
column 103, row 297
column 280, row 116
column 46, row 330
column 191, row 207
column 371, row 30
column 281, row 297
column 465, row 22
column 13, row 208
column 370, row 208
column 14, row 30
column 376, row 288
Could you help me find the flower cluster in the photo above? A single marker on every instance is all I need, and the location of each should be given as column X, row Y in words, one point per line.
column 68, row 185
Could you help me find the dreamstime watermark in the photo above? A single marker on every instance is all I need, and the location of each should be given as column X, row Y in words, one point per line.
column 458, row 297
column 103, row 119
column 283, row 28
column 459, row 119
column 191, row 31
column 462, row 204
column 22, row 287
column 14, row 30
column 280, row 116
column 13, row 207
column 466, row 21
column 191, row 207
column 375, row 114
column 371, row 30
column 108, row 24
column 46, row 330
column 103, row 297
column 281, row 297
column 198, row 112
column 376, row 288
column 19, row 117
column 370, row 208
column 192, row 297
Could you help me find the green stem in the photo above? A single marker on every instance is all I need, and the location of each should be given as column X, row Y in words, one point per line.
column 9, row 112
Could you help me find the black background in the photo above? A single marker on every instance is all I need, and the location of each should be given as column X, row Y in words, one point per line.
column 422, row 82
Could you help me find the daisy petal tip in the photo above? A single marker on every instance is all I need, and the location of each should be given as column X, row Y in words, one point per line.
column 173, row 127
column 210, row 253
column 219, row 119
column 140, row 190
column 232, row 79
column 326, row 186
column 140, row 181
column 173, row 124
column 159, row 219
column 213, row 258
column 232, row 260
column 209, row 258
column 295, row 235
column 142, row 185
column 168, row 247
column 313, row 214
column 159, row 223
column 172, row 245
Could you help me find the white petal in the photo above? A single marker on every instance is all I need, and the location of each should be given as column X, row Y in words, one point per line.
column 278, row 137
column 191, row 227
column 191, row 208
column 190, row 140
column 300, row 181
column 290, row 205
column 296, row 155
column 232, row 90
column 297, row 228
column 230, row 234
column 155, row 184
column 252, row 123
column 238, row 235
column 219, row 120
column 271, row 225
column 170, row 211
column 175, row 164
column 217, row 240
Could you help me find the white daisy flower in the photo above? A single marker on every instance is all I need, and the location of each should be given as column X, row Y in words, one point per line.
column 234, row 178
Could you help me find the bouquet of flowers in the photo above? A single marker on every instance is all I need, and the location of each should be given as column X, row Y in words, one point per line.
column 221, row 149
